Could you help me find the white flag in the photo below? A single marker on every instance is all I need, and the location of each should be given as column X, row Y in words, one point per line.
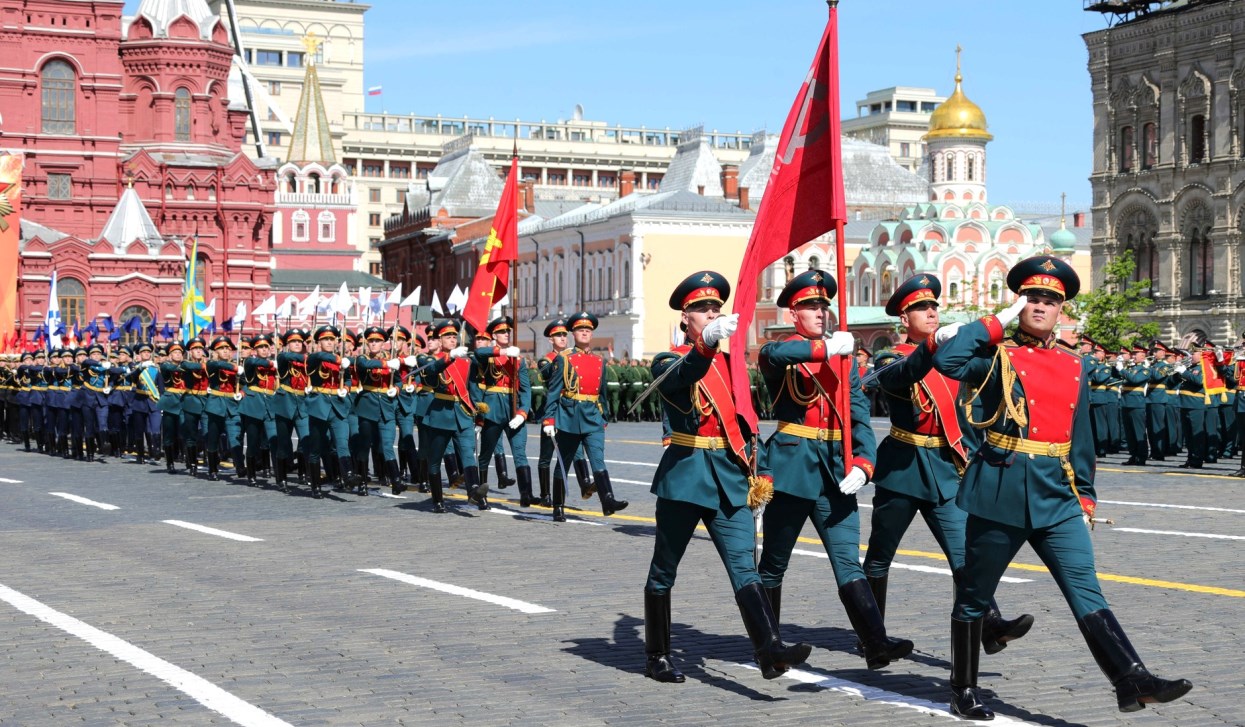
column 342, row 301
column 395, row 298
column 239, row 315
column 210, row 311
column 267, row 308
column 412, row 299
column 308, row 304
column 287, row 307
column 436, row 304
column 457, row 299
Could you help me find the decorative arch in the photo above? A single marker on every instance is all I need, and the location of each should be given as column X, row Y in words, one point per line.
column 58, row 89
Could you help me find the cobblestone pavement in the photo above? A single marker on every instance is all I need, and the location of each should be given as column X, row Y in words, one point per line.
column 353, row 610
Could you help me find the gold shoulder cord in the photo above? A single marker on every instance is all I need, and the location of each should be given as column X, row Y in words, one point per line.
column 570, row 379
column 1007, row 402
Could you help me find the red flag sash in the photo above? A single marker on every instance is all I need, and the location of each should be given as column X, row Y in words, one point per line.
column 717, row 390
column 456, row 379
column 938, row 389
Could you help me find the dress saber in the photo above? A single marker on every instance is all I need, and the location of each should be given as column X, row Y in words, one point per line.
column 653, row 386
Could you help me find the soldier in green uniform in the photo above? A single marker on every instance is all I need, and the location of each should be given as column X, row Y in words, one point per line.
column 506, row 392
column 557, row 334
column 451, row 417
column 811, row 479
column 224, row 418
column 289, row 407
column 919, row 463
column 613, row 385
column 194, row 404
column 376, row 407
column 1136, row 376
column 1193, row 399
column 259, row 379
column 576, row 414
column 705, row 476
column 328, row 412
column 1156, row 403
column 408, row 404
column 1032, row 480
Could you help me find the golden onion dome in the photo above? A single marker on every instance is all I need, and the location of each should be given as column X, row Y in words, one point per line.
column 958, row 118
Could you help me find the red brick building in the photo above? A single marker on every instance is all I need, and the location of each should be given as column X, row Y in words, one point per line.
column 100, row 104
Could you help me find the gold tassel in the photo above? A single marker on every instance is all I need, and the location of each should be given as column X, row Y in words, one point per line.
column 760, row 491
column 482, row 408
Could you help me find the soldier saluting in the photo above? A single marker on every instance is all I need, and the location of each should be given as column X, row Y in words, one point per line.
column 1032, row 480
column 706, row 475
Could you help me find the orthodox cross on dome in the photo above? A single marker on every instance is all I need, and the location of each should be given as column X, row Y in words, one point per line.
column 1063, row 209
column 312, row 43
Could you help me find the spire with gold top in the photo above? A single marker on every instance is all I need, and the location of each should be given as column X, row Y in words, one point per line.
column 957, row 117
column 312, row 140
column 956, row 144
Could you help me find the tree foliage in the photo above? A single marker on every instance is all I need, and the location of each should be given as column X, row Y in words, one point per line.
column 1104, row 312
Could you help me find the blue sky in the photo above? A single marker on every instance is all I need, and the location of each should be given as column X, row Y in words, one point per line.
column 735, row 65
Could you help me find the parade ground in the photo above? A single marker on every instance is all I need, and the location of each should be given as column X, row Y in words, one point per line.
column 129, row 596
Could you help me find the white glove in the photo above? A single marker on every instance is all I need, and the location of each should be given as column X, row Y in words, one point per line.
column 517, row 421
column 511, row 351
column 1012, row 312
column 394, row 364
column 1085, row 519
column 1181, row 368
column 307, row 389
column 549, row 430
column 840, row 343
column 410, row 361
column 854, row 480
column 345, row 362
column 946, row 333
column 1119, row 365
column 720, row 328
column 460, row 352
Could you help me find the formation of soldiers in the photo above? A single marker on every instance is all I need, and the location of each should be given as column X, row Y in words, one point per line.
column 993, row 441
column 1156, row 402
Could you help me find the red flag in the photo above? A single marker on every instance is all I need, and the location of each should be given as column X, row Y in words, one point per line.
column 492, row 277
column 803, row 200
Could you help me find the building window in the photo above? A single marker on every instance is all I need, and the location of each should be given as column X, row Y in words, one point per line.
column 373, row 169
column 1126, row 149
column 328, row 226
column 60, row 186
column 400, row 196
column 247, row 54
column 274, row 88
column 557, row 178
column 267, row 57
column 972, row 168
column 71, row 294
column 201, row 271
column 950, row 168
column 1150, row 145
column 373, row 194
column 953, row 292
column 1197, row 139
column 1200, row 261
column 606, row 180
column 373, row 243
column 300, row 220
column 905, row 149
column 59, row 92
column 144, row 316
column 373, row 219
column 374, row 269
column 399, row 171
column 274, row 138
column 181, row 115
column 295, row 59
column 581, row 180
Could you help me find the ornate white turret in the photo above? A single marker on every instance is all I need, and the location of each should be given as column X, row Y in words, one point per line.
column 956, row 142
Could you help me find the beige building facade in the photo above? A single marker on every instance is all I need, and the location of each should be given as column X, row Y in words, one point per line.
column 896, row 118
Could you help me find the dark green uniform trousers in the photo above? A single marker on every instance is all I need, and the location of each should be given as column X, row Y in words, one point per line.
column 893, row 513
column 731, row 529
column 837, row 523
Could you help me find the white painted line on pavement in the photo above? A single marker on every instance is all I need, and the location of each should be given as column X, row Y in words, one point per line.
column 1170, row 507
column 529, row 515
column 390, row 495
column 213, row 531
column 196, row 687
column 7, row 481
column 517, row 605
column 631, row 482
column 638, row 464
column 904, row 566
column 1176, row 532
column 84, row 501
column 874, row 694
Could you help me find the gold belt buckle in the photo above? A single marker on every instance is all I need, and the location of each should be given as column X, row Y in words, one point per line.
column 823, row 435
column 929, row 443
column 713, row 442
column 1053, row 449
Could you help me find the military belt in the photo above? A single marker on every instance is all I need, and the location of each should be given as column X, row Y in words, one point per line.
column 499, row 389
column 376, row 389
column 1101, row 388
column 218, row 392
column 326, row 390
column 174, row 391
column 292, row 390
column 695, row 442
column 1198, row 394
column 1130, row 389
column 931, row 441
column 1156, row 387
column 807, row 432
column 582, row 397
column 444, row 397
column 99, row 389
column 260, row 390
column 196, row 392
column 1028, row 446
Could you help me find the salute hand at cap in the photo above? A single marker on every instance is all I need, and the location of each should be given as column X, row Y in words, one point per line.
column 854, row 480
column 946, row 333
column 517, row 421
column 1012, row 312
column 460, row 352
column 720, row 328
column 511, row 351
column 394, row 364
column 840, row 343
column 410, row 361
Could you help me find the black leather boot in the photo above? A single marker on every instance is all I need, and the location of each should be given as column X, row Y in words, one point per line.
column 351, row 479
column 170, row 461
column 996, row 631
column 524, row 475
column 243, row 467
column 213, row 466
column 775, row 601
column 278, row 467
column 453, row 471
column 877, row 586
column 421, row 481
column 503, row 476
column 965, row 655
column 438, row 497
column 772, row 655
column 605, row 491
column 404, row 467
column 559, row 498
column 396, row 485
column 477, row 491
column 543, row 474
column 313, row 476
column 658, row 664
column 587, row 488
column 866, row 619
column 192, row 459
column 300, row 467
column 1135, row 686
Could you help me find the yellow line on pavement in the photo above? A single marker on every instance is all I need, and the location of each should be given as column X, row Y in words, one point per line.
column 1167, row 474
column 636, row 441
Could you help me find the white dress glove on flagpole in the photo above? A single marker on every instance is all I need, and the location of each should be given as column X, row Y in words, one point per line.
column 460, row 352
column 1012, row 312
column 720, row 328
column 345, row 362
column 517, row 421
column 410, row 361
column 840, row 343
column 511, row 351
column 394, row 364
column 946, row 333
column 854, row 480
column 549, row 430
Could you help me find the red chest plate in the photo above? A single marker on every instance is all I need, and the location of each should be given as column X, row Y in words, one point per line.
column 589, row 369
column 1051, row 381
column 196, row 380
column 298, row 375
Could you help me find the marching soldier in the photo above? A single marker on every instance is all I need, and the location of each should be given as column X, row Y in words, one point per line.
column 328, row 411
column 408, row 385
column 1133, row 402
column 222, row 408
column 451, row 417
column 576, row 414
column 289, row 407
column 260, row 380
column 920, row 462
column 1033, row 481
column 811, row 480
column 96, row 390
column 1193, row 407
column 194, row 373
column 1156, row 403
column 377, row 405
column 507, row 393
column 146, row 386
column 706, row 475
column 174, row 379
column 1100, row 395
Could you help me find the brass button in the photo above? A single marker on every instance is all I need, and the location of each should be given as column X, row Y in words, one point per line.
column 1031, row 456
